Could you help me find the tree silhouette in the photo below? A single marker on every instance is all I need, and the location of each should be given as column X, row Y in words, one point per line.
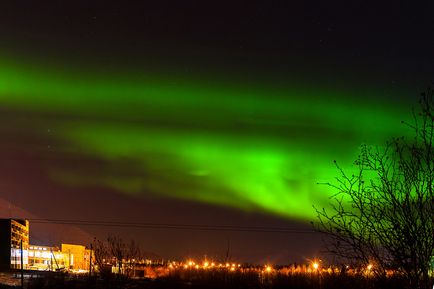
column 382, row 216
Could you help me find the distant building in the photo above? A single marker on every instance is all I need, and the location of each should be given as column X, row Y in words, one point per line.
column 78, row 256
column 14, row 233
column 69, row 257
column 47, row 258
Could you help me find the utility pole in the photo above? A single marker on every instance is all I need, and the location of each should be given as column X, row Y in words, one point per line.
column 22, row 265
column 90, row 261
column 55, row 261
column 69, row 259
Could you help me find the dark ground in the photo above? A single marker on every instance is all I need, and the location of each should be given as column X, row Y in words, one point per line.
column 215, row 280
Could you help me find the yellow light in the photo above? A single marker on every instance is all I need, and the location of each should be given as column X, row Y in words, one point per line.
column 227, row 264
column 233, row 269
column 186, row 266
column 315, row 265
column 206, row 264
column 370, row 266
column 212, row 264
column 197, row 267
column 190, row 263
column 268, row 268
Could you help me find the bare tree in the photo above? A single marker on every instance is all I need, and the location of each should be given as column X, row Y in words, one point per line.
column 115, row 252
column 102, row 256
column 383, row 214
column 132, row 256
column 126, row 255
column 118, row 250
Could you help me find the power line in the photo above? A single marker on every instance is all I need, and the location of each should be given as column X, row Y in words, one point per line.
column 259, row 229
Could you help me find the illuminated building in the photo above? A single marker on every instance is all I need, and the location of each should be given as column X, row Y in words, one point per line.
column 14, row 233
column 78, row 256
column 69, row 257
column 47, row 258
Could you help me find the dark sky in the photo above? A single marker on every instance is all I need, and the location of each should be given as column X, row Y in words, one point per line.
column 192, row 112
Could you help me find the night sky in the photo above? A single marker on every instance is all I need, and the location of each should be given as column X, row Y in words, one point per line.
column 199, row 112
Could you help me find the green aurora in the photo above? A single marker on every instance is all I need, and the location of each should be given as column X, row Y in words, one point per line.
column 251, row 147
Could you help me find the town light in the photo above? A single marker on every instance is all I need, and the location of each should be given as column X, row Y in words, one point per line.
column 268, row 268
